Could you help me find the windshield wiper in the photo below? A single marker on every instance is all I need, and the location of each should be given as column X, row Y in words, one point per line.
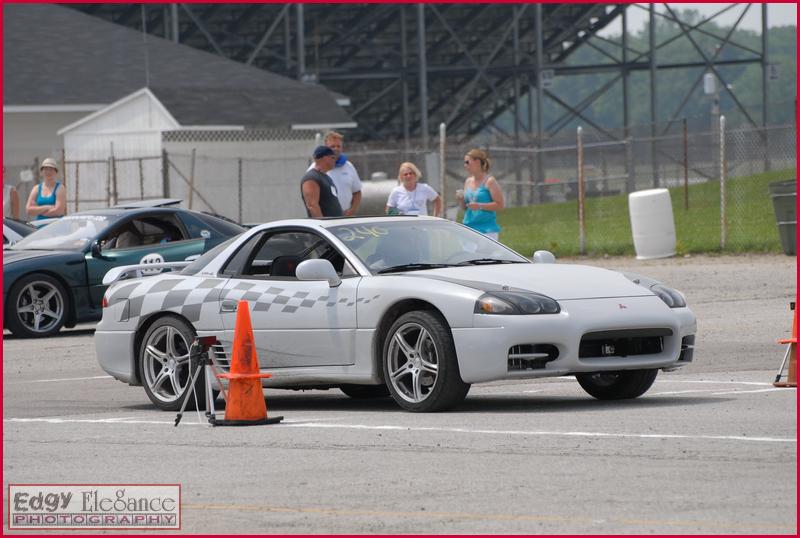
column 486, row 261
column 412, row 267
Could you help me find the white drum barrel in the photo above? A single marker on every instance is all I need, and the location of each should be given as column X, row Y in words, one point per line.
column 652, row 224
column 374, row 195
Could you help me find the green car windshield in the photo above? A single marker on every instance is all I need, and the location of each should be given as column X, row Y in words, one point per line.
column 385, row 245
column 73, row 232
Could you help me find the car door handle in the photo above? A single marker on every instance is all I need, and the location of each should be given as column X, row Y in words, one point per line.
column 228, row 306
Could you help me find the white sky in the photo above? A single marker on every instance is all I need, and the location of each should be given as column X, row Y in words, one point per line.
column 777, row 15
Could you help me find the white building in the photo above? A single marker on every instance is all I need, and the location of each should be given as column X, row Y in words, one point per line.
column 85, row 85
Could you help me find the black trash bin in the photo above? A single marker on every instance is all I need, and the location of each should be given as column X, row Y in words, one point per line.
column 784, row 200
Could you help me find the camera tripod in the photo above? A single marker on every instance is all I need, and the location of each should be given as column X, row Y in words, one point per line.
column 200, row 361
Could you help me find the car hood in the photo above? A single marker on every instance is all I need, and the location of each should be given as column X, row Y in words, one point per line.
column 45, row 256
column 558, row 281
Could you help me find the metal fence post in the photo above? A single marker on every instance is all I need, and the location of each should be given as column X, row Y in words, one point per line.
column 77, row 183
column 112, row 163
column 191, row 178
column 141, row 180
column 108, row 183
column 64, row 174
column 164, row 173
column 240, row 189
column 442, row 163
column 685, row 165
column 581, row 220
column 630, row 181
column 723, row 172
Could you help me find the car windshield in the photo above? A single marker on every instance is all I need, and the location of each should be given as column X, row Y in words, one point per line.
column 408, row 245
column 73, row 232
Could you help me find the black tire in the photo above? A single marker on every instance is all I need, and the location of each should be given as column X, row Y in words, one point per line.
column 622, row 385
column 161, row 364
column 365, row 392
column 423, row 377
column 37, row 306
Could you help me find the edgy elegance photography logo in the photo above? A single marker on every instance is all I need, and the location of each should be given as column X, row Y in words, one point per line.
column 94, row 506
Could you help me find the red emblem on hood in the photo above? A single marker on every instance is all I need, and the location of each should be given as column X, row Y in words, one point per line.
column 622, row 306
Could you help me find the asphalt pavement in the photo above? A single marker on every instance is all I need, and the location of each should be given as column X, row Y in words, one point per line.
column 709, row 449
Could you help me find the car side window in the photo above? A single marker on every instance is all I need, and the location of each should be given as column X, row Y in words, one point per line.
column 276, row 256
column 144, row 231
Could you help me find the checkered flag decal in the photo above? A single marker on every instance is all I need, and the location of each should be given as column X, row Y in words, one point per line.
column 192, row 297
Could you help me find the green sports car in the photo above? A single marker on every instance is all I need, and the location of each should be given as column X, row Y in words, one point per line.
column 53, row 277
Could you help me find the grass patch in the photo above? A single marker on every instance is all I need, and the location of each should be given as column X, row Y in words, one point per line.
column 751, row 221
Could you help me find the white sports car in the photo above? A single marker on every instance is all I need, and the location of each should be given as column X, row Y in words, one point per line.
column 417, row 308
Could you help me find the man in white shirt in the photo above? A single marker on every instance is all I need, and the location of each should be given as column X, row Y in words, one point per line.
column 344, row 175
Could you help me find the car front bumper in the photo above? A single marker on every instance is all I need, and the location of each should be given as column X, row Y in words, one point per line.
column 483, row 350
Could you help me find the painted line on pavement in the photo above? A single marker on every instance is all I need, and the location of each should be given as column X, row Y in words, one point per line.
column 338, row 512
column 673, row 392
column 473, row 431
column 69, row 379
column 774, row 389
column 712, row 382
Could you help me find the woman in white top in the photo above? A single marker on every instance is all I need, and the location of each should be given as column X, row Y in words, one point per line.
column 10, row 199
column 411, row 197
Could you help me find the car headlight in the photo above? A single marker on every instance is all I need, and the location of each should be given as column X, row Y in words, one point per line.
column 672, row 298
column 516, row 303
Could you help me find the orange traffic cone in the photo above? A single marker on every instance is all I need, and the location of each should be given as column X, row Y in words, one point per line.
column 791, row 354
column 245, row 405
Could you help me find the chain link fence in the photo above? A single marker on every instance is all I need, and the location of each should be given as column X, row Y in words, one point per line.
column 541, row 182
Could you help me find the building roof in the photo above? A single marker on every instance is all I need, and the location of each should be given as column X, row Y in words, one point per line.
column 55, row 56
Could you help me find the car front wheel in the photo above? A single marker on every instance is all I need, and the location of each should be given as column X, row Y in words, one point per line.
column 164, row 366
column 622, row 385
column 37, row 306
column 420, row 364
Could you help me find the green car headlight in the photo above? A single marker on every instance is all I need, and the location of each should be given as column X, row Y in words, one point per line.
column 516, row 303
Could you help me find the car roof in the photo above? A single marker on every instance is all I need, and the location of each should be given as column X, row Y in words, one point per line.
column 117, row 211
column 343, row 221
column 11, row 221
column 158, row 202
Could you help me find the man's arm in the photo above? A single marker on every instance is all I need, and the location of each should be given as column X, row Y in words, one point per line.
column 310, row 191
column 354, row 203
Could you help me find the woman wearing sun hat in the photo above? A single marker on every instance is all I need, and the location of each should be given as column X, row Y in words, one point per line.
column 47, row 200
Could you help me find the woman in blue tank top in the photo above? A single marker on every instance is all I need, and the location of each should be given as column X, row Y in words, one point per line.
column 482, row 197
column 47, row 200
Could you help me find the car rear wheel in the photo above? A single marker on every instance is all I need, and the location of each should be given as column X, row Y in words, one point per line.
column 164, row 366
column 420, row 364
column 365, row 392
column 622, row 385
column 37, row 306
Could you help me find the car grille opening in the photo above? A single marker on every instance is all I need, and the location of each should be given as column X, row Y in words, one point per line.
column 531, row 356
column 687, row 349
column 623, row 343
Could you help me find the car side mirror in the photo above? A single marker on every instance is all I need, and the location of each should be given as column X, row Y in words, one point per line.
column 543, row 256
column 318, row 270
column 96, row 253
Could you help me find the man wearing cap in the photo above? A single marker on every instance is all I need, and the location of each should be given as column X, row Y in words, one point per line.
column 46, row 200
column 317, row 188
column 344, row 175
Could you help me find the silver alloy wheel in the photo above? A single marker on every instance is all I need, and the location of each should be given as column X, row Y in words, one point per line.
column 40, row 306
column 166, row 363
column 413, row 362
